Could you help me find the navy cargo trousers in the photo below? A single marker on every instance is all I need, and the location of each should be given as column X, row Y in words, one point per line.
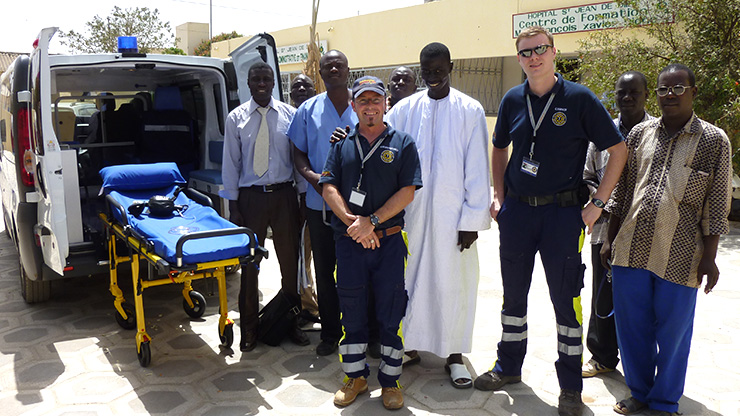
column 557, row 233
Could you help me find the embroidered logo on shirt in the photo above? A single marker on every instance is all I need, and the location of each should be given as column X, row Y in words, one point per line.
column 559, row 118
column 387, row 156
column 326, row 174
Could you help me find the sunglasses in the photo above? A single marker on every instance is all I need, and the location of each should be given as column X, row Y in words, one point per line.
column 539, row 50
column 677, row 90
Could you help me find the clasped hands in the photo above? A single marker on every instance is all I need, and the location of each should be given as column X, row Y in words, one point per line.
column 363, row 232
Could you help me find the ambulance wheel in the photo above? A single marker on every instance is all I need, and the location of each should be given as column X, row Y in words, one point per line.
column 199, row 305
column 227, row 338
column 145, row 354
column 130, row 322
column 33, row 291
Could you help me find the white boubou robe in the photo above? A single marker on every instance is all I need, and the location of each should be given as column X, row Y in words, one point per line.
column 452, row 139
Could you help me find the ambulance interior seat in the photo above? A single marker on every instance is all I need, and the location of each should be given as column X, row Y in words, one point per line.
column 169, row 133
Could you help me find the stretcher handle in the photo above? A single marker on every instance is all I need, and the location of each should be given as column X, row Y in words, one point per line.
column 117, row 205
column 215, row 233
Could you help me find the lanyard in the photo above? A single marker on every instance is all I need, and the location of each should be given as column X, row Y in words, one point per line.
column 364, row 158
column 536, row 127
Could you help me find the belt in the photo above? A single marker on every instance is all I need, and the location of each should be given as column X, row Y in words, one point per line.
column 563, row 199
column 385, row 232
column 270, row 188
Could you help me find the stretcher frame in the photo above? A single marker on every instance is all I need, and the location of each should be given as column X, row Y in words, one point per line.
column 194, row 303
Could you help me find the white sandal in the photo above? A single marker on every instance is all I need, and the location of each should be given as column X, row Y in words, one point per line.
column 459, row 372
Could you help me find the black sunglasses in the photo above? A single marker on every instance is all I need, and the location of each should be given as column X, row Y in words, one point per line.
column 539, row 50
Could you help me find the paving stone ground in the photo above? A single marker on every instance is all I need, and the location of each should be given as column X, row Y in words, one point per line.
column 69, row 357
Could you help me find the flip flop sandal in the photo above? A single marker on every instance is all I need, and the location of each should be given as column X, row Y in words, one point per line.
column 629, row 406
column 459, row 372
column 410, row 360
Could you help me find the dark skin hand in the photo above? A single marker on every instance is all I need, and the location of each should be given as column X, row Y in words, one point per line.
column 466, row 238
column 339, row 134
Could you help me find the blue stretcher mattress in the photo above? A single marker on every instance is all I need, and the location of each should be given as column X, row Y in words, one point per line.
column 165, row 232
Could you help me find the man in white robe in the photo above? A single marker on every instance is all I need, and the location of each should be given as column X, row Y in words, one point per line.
column 443, row 220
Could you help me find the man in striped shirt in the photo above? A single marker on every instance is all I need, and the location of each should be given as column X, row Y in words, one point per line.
column 668, row 211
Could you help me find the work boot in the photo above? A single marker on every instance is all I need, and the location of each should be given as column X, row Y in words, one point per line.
column 349, row 392
column 491, row 380
column 392, row 398
column 570, row 403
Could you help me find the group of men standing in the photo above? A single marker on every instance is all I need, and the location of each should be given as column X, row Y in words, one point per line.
column 422, row 168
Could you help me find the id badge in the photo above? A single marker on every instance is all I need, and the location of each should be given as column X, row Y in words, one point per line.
column 530, row 167
column 357, row 197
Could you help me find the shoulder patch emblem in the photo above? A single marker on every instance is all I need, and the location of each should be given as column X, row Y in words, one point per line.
column 387, row 156
column 559, row 118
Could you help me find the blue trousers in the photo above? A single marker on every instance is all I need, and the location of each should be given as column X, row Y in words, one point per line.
column 557, row 233
column 655, row 321
column 382, row 270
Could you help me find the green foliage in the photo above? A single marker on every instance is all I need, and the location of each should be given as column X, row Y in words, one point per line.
column 173, row 51
column 204, row 48
column 151, row 32
column 703, row 36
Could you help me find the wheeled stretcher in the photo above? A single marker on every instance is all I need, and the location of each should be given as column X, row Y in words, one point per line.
column 176, row 233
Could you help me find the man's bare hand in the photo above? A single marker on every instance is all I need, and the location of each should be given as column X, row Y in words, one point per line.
column 707, row 267
column 339, row 134
column 589, row 215
column 496, row 207
column 466, row 238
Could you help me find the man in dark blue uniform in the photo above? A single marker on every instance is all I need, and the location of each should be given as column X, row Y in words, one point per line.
column 538, row 207
column 367, row 181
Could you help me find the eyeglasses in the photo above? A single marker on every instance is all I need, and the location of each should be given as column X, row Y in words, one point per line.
column 539, row 50
column 677, row 90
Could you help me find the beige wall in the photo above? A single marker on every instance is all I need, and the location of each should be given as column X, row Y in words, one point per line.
column 470, row 28
column 190, row 35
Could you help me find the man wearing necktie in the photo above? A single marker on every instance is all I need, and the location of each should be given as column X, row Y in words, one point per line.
column 259, row 179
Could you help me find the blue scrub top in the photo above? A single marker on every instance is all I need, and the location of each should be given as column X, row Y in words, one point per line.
column 394, row 165
column 310, row 130
column 574, row 118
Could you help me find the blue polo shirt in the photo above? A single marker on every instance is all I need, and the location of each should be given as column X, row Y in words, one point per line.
column 394, row 165
column 574, row 118
column 310, row 130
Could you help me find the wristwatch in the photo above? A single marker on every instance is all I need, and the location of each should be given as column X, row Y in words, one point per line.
column 598, row 203
column 374, row 220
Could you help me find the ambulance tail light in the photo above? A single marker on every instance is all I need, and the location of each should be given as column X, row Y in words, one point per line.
column 24, row 147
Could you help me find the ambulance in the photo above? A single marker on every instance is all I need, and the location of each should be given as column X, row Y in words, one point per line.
column 147, row 108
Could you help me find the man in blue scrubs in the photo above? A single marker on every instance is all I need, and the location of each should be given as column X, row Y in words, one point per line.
column 537, row 202
column 312, row 125
column 368, row 180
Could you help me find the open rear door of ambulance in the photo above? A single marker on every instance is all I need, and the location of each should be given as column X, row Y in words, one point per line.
column 51, row 229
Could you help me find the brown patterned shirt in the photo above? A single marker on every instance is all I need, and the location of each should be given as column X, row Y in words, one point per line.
column 673, row 191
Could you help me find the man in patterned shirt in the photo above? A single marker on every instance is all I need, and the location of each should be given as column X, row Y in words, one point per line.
column 668, row 211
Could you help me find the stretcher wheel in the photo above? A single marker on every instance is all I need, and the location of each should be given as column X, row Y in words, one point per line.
column 145, row 354
column 129, row 323
column 227, row 338
column 199, row 305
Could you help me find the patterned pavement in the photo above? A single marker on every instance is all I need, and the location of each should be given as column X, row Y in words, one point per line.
column 68, row 356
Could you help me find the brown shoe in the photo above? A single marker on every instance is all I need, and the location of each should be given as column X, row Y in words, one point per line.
column 349, row 392
column 392, row 398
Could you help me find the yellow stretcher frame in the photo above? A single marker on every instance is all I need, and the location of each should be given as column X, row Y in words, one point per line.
column 193, row 301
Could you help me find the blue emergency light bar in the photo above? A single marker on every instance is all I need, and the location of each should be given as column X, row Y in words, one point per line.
column 127, row 44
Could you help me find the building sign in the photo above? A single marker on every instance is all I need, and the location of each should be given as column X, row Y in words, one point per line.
column 296, row 54
column 578, row 18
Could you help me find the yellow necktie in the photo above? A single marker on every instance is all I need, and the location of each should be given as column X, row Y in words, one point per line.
column 262, row 145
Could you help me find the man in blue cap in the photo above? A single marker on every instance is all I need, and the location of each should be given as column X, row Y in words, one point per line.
column 368, row 180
